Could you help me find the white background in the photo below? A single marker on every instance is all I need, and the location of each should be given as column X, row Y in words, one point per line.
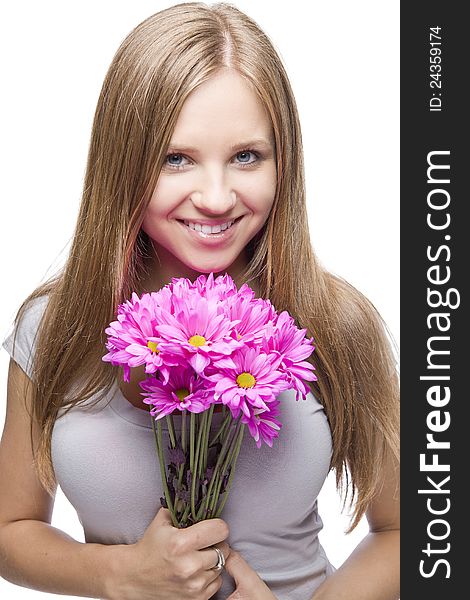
column 343, row 62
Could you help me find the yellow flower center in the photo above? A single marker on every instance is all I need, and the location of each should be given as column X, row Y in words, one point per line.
column 153, row 346
column 246, row 380
column 182, row 393
column 197, row 340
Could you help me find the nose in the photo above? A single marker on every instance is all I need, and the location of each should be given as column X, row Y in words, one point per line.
column 214, row 197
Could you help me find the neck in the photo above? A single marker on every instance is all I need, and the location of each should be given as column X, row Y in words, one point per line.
column 162, row 267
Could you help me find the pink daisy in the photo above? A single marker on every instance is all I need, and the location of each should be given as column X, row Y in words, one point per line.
column 247, row 379
column 289, row 341
column 132, row 339
column 183, row 391
column 263, row 425
column 199, row 332
column 253, row 314
column 220, row 289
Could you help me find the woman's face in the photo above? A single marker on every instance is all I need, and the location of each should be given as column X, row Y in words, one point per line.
column 220, row 168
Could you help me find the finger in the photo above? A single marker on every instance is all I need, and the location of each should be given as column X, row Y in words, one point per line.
column 213, row 586
column 205, row 533
column 163, row 518
column 239, row 569
column 210, row 557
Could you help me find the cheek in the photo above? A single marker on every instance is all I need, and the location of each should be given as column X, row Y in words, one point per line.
column 164, row 198
column 261, row 192
column 152, row 217
column 171, row 186
column 155, row 217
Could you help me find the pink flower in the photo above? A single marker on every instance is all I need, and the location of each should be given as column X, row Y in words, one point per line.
column 198, row 332
column 184, row 390
column 263, row 424
column 221, row 289
column 289, row 341
column 253, row 316
column 132, row 339
column 244, row 351
column 247, row 379
column 218, row 289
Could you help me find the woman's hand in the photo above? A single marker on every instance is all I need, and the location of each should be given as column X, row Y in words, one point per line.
column 170, row 563
column 249, row 584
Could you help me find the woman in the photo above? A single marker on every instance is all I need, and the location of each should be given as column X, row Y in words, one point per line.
column 178, row 74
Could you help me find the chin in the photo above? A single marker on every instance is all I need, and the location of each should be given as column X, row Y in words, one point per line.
column 216, row 271
column 206, row 269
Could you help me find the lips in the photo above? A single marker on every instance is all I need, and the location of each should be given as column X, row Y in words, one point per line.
column 212, row 238
column 206, row 228
column 210, row 223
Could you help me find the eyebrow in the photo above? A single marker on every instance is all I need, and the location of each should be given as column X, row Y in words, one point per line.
column 258, row 142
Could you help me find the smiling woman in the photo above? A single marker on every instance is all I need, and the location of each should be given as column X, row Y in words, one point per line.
column 196, row 166
column 221, row 199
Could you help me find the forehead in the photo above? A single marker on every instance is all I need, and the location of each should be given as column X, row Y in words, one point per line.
column 224, row 108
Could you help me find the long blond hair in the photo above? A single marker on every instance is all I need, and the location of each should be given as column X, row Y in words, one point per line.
column 155, row 69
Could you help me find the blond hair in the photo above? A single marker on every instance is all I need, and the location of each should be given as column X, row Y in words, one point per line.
column 155, row 69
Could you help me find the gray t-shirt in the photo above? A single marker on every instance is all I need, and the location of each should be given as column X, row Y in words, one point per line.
column 105, row 463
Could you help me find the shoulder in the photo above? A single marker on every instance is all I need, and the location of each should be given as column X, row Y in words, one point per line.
column 21, row 341
column 30, row 314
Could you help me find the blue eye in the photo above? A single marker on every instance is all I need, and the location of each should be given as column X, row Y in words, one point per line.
column 244, row 154
column 172, row 156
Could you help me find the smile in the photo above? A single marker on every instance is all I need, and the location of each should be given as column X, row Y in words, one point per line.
column 207, row 234
column 209, row 228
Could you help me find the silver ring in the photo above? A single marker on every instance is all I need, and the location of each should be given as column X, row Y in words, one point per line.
column 220, row 559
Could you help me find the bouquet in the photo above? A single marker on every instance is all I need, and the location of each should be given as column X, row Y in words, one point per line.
column 205, row 344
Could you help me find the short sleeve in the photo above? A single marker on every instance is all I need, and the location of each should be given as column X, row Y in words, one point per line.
column 21, row 347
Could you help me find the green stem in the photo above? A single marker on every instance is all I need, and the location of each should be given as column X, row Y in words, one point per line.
column 171, row 430
column 197, row 462
column 225, row 446
column 225, row 466
column 183, row 446
column 203, row 442
column 230, row 452
column 222, row 428
column 192, row 433
column 232, row 472
column 183, row 431
column 206, row 437
column 159, row 445
column 215, row 495
column 187, row 510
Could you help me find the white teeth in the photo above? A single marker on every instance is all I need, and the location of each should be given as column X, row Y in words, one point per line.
column 208, row 228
